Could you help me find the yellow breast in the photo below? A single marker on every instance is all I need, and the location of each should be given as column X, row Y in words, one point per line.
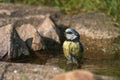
column 71, row 47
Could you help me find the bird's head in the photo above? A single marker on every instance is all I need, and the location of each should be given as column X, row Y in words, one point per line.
column 72, row 34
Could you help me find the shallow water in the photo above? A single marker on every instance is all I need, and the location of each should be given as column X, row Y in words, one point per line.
column 100, row 56
column 107, row 65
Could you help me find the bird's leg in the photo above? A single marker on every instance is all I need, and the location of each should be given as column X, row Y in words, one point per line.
column 79, row 63
column 69, row 59
column 74, row 62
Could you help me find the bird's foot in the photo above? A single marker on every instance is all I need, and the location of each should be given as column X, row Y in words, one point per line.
column 68, row 62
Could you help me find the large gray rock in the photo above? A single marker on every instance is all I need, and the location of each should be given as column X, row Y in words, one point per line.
column 94, row 25
column 17, row 71
column 29, row 34
column 5, row 40
column 27, row 21
column 25, row 30
column 39, row 32
column 50, row 34
column 14, row 71
column 11, row 45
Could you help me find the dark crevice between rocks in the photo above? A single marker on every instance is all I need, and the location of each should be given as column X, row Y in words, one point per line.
column 61, row 27
column 18, row 46
column 52, row 47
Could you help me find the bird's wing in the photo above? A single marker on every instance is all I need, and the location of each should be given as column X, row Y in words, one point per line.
column 81, row 48
column 77, row 52
column 75, row 48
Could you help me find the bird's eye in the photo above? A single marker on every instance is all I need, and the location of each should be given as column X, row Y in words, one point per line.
column 69, row 32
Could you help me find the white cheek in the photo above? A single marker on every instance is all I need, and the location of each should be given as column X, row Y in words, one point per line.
column 68, row 36
column 71, row 36
column 74, row 36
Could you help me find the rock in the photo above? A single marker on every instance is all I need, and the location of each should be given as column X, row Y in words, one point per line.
column 25, row 28
column 39, row 32
column 37, row 43
column 50, row 34
column 75, row 75
column 26, row 21
column 19, row 11
column 6, row 12
column 5, row 40
column 11, row 46
column 17, row 71
column 14, row 71
column 33, row 18
column 29, row 34
column 92, row 24
column 80, row 75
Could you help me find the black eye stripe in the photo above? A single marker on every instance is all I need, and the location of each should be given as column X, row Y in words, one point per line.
column 69, row 32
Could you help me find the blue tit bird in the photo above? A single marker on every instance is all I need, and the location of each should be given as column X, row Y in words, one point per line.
column 72, row 47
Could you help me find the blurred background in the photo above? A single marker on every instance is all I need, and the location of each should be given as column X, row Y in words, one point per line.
column 109, row 7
